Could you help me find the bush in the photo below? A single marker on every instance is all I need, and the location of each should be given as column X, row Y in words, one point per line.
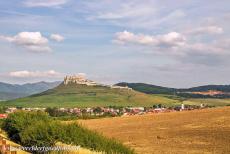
column 41, row 134
column 38, row 129
column 86, row 138
column 19, row 121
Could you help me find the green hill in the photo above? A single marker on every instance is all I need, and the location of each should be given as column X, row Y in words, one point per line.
column 185, row 93
column 74, row 95
column 148, row 88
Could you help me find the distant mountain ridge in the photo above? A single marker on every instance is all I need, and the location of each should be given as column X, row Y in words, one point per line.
column 185, row 92
column 13, row 91
column 223, row 88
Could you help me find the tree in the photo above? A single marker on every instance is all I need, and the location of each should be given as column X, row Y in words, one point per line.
column 159, row 106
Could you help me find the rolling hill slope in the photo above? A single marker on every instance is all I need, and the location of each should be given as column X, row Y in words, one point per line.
column 75, row 95
column 223, row 91
column 148, row 88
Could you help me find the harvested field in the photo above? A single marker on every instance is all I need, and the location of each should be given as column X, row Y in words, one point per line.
column 200, row 131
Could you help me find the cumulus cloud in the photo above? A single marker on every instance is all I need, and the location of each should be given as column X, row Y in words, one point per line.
column 207, row 30
column 57, row 37
column 34, row 74
column 32, row 41
column 175, row 44
column 172, row 39
column 44, row 3
column 167, row 40
column 200, row 49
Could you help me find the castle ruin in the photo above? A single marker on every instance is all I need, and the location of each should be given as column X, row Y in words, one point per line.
column 81, row 80
column 78, row 79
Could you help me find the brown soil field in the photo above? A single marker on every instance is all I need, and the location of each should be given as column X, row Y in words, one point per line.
column 198, row 131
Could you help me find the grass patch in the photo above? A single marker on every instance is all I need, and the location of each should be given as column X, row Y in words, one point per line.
column 208, row 101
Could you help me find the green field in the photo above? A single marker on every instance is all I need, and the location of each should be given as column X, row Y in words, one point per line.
column 208, row 101
column 89, row 96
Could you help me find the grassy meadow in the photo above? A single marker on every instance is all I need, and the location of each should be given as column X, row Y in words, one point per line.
column 208, row 101
column 198, row 131
column 89, row 96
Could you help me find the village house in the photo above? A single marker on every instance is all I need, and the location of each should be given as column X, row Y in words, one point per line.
column 11, row 110
column 3, row 116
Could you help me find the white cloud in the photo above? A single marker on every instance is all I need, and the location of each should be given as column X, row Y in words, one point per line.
column 126, row 37
column 81, row 75
column 28, row 38
column 207, row 30
column 57, row 37
column 34, row 74
column 167, row 40
column 44, row 3
column 174, row 44
column 32, row 41
column 172, row 39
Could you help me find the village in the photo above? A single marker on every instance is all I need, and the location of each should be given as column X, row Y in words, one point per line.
column 105, row 111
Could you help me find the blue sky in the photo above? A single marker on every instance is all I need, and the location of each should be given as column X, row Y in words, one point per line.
column 169, row 43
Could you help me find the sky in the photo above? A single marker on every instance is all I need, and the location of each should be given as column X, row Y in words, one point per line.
column 179, row 43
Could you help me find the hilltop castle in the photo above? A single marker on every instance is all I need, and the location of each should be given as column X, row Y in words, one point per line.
column 78, row 79
column 81, row 80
